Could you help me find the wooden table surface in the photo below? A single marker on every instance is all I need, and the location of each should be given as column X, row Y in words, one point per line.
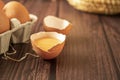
column 91, row 51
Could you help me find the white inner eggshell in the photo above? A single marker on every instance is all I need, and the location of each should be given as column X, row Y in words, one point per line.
column 54, row 22
column 59, row 36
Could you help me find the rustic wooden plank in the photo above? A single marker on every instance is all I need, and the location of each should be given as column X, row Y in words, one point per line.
column 112, row 31
column 86, row 55
column 31, row 68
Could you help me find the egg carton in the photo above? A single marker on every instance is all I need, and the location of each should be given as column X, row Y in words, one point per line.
column 19, row 33
column 5, row 41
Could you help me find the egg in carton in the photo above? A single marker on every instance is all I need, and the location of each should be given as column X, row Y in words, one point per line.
column 19, row 33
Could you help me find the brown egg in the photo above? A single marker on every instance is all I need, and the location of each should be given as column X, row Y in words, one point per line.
column 1, row 4
column 4, row 22
column 52, row 23
column 48, row 44
column 14, row 9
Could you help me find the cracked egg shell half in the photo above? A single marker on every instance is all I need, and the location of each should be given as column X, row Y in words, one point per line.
column 48, row 44
column 55, row 24
column 1, row 4
column 14, row 9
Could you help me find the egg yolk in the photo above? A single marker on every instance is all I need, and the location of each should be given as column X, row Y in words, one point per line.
column 46, row 43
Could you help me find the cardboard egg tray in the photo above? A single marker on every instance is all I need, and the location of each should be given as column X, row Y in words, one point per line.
column 19, row 33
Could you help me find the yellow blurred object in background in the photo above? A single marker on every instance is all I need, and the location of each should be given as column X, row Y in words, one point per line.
column 97, row 6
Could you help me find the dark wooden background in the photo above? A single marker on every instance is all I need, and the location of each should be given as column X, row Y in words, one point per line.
column 91, row 52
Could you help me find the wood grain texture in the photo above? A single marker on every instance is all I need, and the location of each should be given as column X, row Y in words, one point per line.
column 86, row 55
column 31, row 68
column 112, row 31
column 91, row 51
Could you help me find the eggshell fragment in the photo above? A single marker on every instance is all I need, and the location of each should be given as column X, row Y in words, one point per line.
column 53, row 51
column 52, row 23
column 14, row 9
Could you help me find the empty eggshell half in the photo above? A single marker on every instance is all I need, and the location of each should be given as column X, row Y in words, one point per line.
column 52, row 23
column 48, row 44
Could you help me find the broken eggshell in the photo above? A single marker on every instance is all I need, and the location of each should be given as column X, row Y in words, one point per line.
column 53, row 51
column 52, row 23
column 21, row 32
